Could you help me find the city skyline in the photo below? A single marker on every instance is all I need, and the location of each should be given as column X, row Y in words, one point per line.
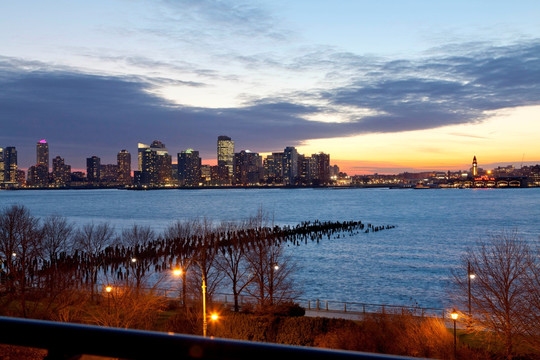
column 423, row 86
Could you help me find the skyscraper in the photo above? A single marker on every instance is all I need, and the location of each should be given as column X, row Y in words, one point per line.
column 474, row 167
column 189, row 168
column 322, row 168
column 290, row 165
column 60, row 171
column 123, row 160
column 225, row 157
column 247, row 168
column 42, row 153
column 2, row 167
column 10, row 164
column 155, row 163
column 93, row 169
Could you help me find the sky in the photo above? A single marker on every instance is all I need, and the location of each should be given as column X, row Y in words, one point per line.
column 382, row 86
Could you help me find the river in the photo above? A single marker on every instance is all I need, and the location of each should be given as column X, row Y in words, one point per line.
column 410, row 264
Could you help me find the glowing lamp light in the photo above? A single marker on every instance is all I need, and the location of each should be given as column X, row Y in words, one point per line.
column 177, row 272
column 472, row 276
column 133, row 260
column 108, row 289
column 454, row 315
column 276, row 267
column 214, row 317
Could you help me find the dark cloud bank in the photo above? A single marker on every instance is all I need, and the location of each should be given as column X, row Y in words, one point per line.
column 83, row 115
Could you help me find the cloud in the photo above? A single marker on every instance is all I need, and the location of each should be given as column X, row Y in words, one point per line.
column 86, row 114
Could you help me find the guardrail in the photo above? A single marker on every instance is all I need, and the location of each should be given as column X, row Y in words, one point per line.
column 326, row 305
column 63, row 341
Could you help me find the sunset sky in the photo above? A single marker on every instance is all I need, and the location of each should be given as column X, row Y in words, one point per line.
column 383, row 86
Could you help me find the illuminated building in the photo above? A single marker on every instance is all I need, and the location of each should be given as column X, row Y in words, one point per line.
column 61, row 172
column 247, row 168
column 123, row 160
column 38, row 175
column 273, row 168
column 474, row 167
column 225, row 157
column 189, row 168
column 93, row 169
column 155, row 164
column 42, row 153
column 109, row 173
column 321, row 162
column 10, row 164
column 290, row 165
column 2, row 167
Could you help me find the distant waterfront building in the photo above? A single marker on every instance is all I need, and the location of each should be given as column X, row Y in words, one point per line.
column 38, row 175
column 225, row 158
column 19, row 177
column 290, row 165
column 42, row 153
column 61, row 173
column 321, row 163
column 108, row 173
column 123, row 161
column 474, row 167
column 10, row 164
column 93, row 169
column 206, row 174
column 155, row 164
column 247, row 168
column 273, row 168
column 2, row 165
column 189, row 168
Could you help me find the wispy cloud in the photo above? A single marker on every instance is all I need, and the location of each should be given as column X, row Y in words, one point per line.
column 100, row 114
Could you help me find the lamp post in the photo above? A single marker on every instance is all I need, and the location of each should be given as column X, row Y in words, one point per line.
column 178, row 272
column 470, row 276
column 454, row 316
column 108, row 290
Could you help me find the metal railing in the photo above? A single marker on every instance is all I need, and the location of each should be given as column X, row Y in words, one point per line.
column 325, row 305
column 64, row 340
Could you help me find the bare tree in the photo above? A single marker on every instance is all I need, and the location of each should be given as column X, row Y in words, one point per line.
column 272, row 270
column 179, row 235
column 232, row 260
column 19, row 247
column 501, row 289
column 56, row 240
column 137, row 265
column 90, row 241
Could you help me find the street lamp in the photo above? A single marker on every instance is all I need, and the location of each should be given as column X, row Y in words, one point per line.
column 178, row 272
column 454, row 316
column 470, row 276
column 108, row 290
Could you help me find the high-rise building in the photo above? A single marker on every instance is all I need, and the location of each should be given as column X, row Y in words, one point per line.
column 61, row 172
column 290, row 165
column 155, row 164
column 42, row 153
column 2, row 165
column 108, row 173
column 189, row 168
column 123, row 160
column 10, row 164
column 38, row 175
column 93, row 169
column 247, row 168
column 322, row 168
column 225, row 157
column 273, row 168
